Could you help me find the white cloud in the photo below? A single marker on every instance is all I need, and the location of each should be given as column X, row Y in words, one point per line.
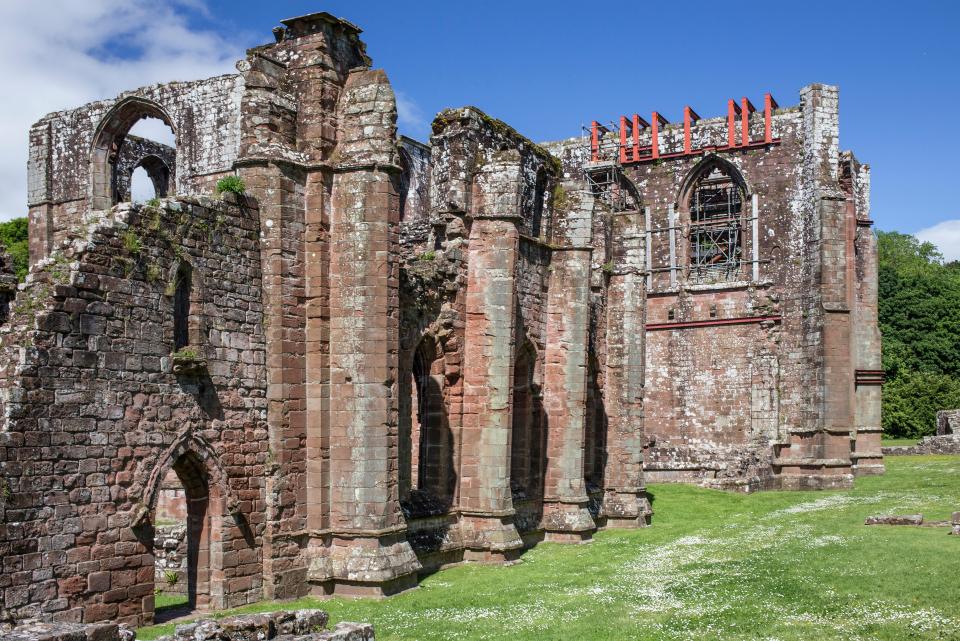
column 946, row 236
column 53, row 56
column 410, row 119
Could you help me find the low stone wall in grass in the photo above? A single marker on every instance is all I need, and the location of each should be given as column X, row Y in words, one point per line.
column 300, row 625
column 944, row 444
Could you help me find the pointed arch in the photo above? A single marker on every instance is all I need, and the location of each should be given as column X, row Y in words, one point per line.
column 107, row 140
column 703, row 168
column 712, row 204
column 202, row 456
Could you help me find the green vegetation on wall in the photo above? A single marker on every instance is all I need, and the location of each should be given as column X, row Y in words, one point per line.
column 920, row 321
column 13, row 237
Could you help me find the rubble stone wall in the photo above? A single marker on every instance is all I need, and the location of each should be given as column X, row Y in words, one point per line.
column 96, row 412
column 205, row 118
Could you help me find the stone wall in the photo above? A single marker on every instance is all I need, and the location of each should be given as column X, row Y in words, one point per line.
column 170, row 558
column 299, row 625
column 391, row 356
column 64, row 181
column 767, row 377
column 96, row 409
column 948, row 422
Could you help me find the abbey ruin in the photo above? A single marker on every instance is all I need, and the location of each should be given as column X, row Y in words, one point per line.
column 386, row 357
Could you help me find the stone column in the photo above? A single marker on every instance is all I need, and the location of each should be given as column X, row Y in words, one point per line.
column 368, row 552
column 867, row 455
column 828, row 463
column 565, row 513
column 39, row 192
column 486, row 504
column 625, row 501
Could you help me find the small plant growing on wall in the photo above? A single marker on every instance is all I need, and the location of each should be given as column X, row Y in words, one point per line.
column 232, row 185
column 131, row 242
column 186, row 354
column 171, row 577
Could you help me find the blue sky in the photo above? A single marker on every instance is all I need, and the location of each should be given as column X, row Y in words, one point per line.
column 547, row 67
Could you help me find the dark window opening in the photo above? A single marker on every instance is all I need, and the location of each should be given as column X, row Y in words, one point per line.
column 181, row 310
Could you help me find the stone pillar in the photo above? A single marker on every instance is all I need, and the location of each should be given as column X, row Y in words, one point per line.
column 819, row 452
column 368, row 552
column 832, row 467
column 625, row 501
column 486, row 504
column 867, row 454
column 565, row 513
column 40, row 192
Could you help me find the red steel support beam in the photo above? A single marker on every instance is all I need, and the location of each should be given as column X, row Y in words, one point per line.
column 746, row 108
column 595, row 141
column 732, row 110
column 689, row 116
column 636, row 138
column 655, row 135
column 769, row 104
column 623, row 139
column 713, row 322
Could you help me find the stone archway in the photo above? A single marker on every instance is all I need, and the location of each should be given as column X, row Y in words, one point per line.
column 107, row 144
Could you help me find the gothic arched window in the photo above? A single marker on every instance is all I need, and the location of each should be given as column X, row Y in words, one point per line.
column 716, row 227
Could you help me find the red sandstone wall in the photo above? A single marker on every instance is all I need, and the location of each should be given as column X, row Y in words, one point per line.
column 94, row 414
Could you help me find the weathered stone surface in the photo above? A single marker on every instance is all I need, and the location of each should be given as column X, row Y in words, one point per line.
column 948, row 422
column 939, row 444
column 65, row 632
column 895, row 519
column 388, row 356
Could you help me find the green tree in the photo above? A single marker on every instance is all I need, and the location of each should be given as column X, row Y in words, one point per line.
column 919, row 310
column 13, row 237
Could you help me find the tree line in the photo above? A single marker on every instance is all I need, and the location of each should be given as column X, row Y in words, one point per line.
column 919, row 308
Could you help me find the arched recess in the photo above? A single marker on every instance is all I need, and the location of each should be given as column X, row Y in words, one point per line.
column 107, row 142
column 527, row 438
column 595, row 432
column 208, row 501
column 186, row 293
column 713, row 207
column 426, row 452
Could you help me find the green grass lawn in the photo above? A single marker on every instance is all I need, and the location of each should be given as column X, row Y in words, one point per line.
column 163, row 601
column 898, row 442
column 715, row 565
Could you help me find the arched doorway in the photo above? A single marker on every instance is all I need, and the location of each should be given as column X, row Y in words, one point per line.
column 595, row 433
column 193, row 573
column 426, row 473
